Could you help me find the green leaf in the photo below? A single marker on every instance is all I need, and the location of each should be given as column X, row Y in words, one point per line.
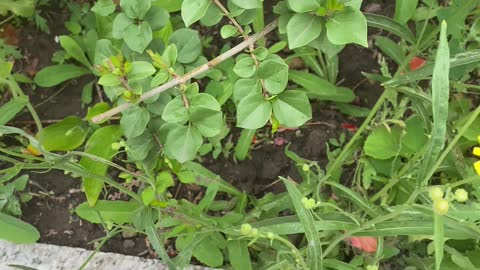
column 140, row 70
column 292, row 108
column 208, row 253
column 97, row 109
column 404, row 10
column 137, row 37
column 163, row 181
column 438, row 240
column 74, row 50
column 148, row 195
column 352, row 110
column 320, row 88
column 205, row 114
column 120, row 23
column 103, row 50
column 228, row 31
column 302, row 29
column 194, row 10
column 135, row 9
column 390, row 25
column 244, row 87
column 175, row 111
column 314, row 247
column 390, row 49
column 109, row 212
column 244, row 67
column 247, row 4
column 244, row 142
column 274, row 74
column 98, row 145
column 139, row 147
column 183, row 143
column 188, row 44
column 415, row 137
column 186, row 177
column 303, row 6
column 147, row 216
column 383, row 143
column 65, row 135
column 109, row 80
column 440, row 97
column 134, row 121
column 14, row 230
column 253, row 112
column 347, row 26
column 104, row 7
column 169, row 5
column 239, row 255
column 355, row 198
column 54, row 75
column 9, row 110
column 157, row 18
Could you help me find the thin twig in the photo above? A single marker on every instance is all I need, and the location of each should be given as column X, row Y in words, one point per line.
column 198, row 71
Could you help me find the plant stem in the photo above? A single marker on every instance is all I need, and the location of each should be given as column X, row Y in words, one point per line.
column 7, row 19
column 198, row 71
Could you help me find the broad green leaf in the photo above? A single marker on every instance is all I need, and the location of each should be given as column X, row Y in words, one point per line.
column 139, row 147
column 253, row 112
column 99, row 144
column 208, row 253
column 175, row 111
column 65, row 135
column 239, row 255
column 245, row 67
column 74, row 50
column 163, row 181
column 104, row 7
column 440, row 97
column 314, row 247
column 415, row 137
column 383, row 143
column 158, row 107
column 347, row 26
column 186, row 177
column 24, row 8
column 213, row 16
column 157, row 18
column 244, row 87
column 194, row 10
column 247, row 4
column 183, row 143
column 303, row 6
column 109, row 80
column 137, row 37
column 320, row 88
column 228, row 31
column 274, row 75
column 14, row 230
column 140, row 70
column 103, row 50
column 244, row 142
column 110, row 212
column 438, row 233
column 303, row 28
column 134, row 121
column 205, row 114
column 10, row 109
column 54, row 75
column 188, row 44
column 385, row 23
column 169, row 5
column 120, row 23
column 390, row 49
column 292, row 108
column 136, row 9
column 148, row 195
column 404, row 10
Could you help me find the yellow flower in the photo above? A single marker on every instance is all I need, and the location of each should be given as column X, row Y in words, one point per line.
column 476, row 152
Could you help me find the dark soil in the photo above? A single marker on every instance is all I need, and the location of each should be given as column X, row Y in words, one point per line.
column 52, row 214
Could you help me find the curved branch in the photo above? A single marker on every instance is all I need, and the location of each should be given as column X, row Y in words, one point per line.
column 198, row 71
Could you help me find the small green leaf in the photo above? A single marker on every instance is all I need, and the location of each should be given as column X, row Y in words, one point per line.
column 109, row 80
column 347, row 26
column 116, row 212
column 97, row 109
column 383, row 143
column 139, row 147
column 194, row 10
column 183, row 143
column 292, row 108
column 303, row 5
column 98, row 145
column 65, row 135
column 228, row 31
column 390, row 49
column 320, row 88
column 163, row 181
column 74, row 50
column 239, row 255
column 253, row 112
column 17, row 231
column 188, row 45
column 9, row 110
column 104, row 7
column 244, row 143
column 274, row 74
column 135, row 9
column 121, row 22
column 404, row 10
column 303, row 28
column 244, row 67
column 205, row 114
column 140, row 70
column 134, row 121
column 137, row 37
column 186, row 177
column 103, row 50
column 157, row 18
column 54, row 75
column 387, row 24
column 415, row 137
column 169, row 5
column 148, row 195
column 247, row 4
column 175, row 111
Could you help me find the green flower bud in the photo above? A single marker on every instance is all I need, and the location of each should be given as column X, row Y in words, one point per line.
column 308, row 203
column 461, row 195
column 115, row 146
column 436, row 193
column 246, row 229
column 127, row 95
column 440, row 206
column 305, row 167
column 270, row 235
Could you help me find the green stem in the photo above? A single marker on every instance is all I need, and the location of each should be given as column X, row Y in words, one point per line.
column 15, row 88
column 7, row 19
column 109, row 235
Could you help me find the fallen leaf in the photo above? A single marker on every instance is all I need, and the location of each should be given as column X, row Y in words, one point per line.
column 416, row 63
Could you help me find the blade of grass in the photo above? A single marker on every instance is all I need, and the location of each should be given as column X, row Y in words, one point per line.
column 385, row 23
column 438, row 240
column 314, row 248
column 440, row 96
column 154, row 238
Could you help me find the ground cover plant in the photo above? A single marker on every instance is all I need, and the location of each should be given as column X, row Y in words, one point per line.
column 170, row 85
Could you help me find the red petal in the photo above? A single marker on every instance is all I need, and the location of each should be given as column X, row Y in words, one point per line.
column 365, row 243
column 350, row 127
column 416, row 63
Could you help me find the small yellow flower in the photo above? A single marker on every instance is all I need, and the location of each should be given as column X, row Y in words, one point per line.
column 476, row 152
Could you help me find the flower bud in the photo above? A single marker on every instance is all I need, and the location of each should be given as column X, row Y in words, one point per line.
column 270, row 235
column 305, row 167
column 461, row 195
column 115, row 146
column 127, row 95
column 246, row 229
column 440, row 206
column 436, row 193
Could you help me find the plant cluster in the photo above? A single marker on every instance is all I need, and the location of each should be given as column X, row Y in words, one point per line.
column 404, row 183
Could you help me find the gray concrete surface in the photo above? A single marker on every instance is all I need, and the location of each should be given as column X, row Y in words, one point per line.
column 51, row 257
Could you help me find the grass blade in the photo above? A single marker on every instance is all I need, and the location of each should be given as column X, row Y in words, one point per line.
column 385, row 23
column 244, row 143
column 438, row 240
column 440, row 96
column 314, row 249
column 154, row 238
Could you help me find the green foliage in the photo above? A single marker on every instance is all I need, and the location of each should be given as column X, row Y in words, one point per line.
column 17, row 231
column 65, row 135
